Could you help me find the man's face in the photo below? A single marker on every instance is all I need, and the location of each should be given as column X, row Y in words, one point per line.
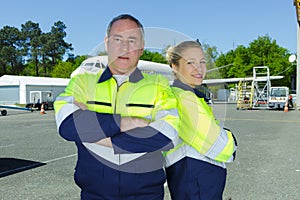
column 124, row 46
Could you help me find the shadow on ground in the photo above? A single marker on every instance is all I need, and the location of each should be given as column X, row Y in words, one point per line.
column 9, row 166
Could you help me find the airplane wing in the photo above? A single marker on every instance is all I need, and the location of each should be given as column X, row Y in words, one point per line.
column 236, row 80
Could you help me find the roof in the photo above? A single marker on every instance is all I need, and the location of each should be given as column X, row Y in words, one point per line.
column 10, row 80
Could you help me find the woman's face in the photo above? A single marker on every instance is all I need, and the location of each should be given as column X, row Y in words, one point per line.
column 192, row 67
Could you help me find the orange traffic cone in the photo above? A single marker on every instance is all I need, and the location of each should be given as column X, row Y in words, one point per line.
column 42, row 110
column 286, row 108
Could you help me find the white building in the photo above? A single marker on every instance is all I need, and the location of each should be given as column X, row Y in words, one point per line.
column 16, row 89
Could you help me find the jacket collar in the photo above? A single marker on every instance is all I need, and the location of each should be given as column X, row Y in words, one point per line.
column 134, row 77
column 181, row 85
column 186, row 87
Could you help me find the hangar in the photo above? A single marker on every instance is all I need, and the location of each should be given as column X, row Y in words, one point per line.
column 16, row 89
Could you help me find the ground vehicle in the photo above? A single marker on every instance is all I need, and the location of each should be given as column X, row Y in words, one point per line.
column 279, row 96
column 3, row 112
column 4, row 107
column 37, row 98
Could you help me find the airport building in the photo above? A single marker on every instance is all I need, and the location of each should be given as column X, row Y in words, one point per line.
column 16, row 89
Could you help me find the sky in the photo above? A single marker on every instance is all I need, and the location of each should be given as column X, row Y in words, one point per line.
column 223, row 24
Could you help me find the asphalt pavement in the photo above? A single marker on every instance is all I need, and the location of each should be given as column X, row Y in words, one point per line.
column 35, row 163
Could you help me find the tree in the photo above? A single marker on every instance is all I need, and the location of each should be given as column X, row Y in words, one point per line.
column 211, row 54
column 31, row 33
column 56, row 47
column 153, row 56
column 64, row 69
column 11, row 51
column 44, row 51
column 266, row 52
column 263, row 51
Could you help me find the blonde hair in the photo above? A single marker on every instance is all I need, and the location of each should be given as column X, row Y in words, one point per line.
column 174, row 54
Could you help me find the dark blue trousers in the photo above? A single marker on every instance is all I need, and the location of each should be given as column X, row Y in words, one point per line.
column 99, row 181
column 110, row 184
column 191, row 179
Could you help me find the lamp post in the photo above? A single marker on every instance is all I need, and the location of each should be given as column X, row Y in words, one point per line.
column 294, row 60
column 297, row 5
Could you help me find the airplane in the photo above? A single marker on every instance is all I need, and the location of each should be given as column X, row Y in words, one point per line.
column 94, row 64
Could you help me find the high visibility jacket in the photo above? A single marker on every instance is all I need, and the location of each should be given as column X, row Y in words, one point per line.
column 199, row 129
column 145, row 96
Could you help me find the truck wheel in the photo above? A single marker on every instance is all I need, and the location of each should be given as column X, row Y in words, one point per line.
column 3, row 112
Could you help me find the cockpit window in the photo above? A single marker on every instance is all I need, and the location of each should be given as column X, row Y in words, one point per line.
column 98, row 65
column 89, row 64
column 167, row 75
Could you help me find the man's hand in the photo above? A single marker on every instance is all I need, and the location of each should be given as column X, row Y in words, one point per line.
column 128, row 123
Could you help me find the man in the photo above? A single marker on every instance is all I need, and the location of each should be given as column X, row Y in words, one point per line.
column 120, row 120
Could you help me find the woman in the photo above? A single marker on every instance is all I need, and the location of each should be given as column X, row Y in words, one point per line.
column 196, row 167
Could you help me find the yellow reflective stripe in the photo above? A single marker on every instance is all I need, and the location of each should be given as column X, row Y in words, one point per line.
column 227, row 152
column 58, row 105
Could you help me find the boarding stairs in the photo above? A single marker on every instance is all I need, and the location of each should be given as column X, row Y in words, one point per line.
column 255, row 94
column 244, row 95
column 261, row 86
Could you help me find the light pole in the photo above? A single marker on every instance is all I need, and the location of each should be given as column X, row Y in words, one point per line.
column 297, row 5
column 293, row 60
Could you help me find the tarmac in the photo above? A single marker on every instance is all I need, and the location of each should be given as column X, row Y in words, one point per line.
column 36, row 163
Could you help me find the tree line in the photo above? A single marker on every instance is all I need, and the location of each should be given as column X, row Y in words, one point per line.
column 264, row 51
column 31, row 52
